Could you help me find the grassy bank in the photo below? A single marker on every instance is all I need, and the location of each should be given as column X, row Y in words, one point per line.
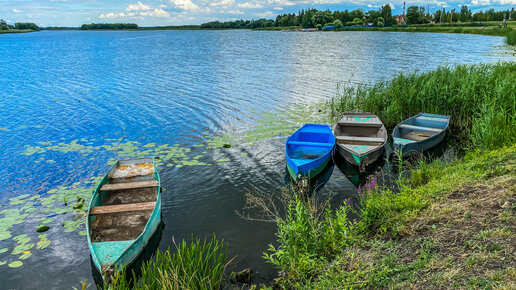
column 16, row 31
column 445, row 225
column 493, row 31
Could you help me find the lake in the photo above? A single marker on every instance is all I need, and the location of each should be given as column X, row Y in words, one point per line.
column 74, row 101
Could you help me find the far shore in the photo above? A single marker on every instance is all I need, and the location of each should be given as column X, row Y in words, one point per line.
column 16, row 31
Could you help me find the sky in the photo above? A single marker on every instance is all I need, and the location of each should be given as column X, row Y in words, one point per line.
column 180, row 12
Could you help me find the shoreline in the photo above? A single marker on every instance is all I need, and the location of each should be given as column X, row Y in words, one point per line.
column 16, row 31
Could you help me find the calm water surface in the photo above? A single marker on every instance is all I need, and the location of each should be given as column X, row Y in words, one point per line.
column 71, row 101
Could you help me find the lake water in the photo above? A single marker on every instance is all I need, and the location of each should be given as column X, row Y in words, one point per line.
column 72, row 101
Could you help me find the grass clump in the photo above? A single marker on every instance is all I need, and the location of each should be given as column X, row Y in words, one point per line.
column 479, row 98
column 511, row 38
column 199, row 265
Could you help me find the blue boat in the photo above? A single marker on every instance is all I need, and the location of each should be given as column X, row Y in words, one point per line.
column 123, row 215
column 419, row 133
column 309, row 150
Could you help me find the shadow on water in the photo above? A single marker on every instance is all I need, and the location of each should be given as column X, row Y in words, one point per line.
column 316, row 183
column 135, row 266
column 352, row 172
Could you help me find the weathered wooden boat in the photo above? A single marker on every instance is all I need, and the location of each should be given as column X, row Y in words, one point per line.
column 309, row 150
column 361, row 138
column 124, row 213
column 419, row 133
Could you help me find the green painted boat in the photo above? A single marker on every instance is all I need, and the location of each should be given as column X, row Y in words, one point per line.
column 123, row 215
column 361, row 138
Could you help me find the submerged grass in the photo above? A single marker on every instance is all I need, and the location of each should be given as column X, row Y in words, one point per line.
column 480, row 99
column 199, row 265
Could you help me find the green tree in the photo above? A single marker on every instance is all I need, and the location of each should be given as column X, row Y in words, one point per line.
column 322, row 17
column 319, row 26
column 387, row 14
column 3, row 25
column 412, row 16
column 338, row 24
column 465, row 14
column 381, row 22
column 26, row 25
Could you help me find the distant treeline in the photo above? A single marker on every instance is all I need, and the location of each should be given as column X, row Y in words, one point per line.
column 312, row 18
column 109, row 26
column 238, row 24
column 18, row 25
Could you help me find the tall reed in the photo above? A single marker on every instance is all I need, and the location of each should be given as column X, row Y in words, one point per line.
column 199, row 265
column 481, row 100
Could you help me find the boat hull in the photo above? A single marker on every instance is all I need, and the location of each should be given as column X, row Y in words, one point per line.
column 360, row 160
column 309, row 150
column 312, row 173
column 422, row 120
column 112, row 255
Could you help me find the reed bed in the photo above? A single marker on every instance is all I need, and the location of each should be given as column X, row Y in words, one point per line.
column 511, row 38
column 481, row 100
column 199, row 265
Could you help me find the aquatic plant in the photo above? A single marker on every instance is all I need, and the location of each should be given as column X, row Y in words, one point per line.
column 511, row 37
column 199, row 265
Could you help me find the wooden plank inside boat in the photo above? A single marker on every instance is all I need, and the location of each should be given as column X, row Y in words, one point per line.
column 129, row 185
column 119, row 208
column 419, row 128
column 418, row 135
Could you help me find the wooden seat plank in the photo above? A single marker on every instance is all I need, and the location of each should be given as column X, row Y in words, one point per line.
column 304, row 143
column 419, row 128
column 356, row 138
column 119, row 208
column 129, row 185
column 424, row 118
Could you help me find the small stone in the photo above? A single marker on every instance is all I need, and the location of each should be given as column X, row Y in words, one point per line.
column 506, row 204
column 245, row 276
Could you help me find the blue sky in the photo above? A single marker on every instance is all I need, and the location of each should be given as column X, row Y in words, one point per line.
column 177, row 12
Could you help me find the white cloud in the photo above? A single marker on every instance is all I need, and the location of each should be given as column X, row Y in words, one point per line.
column 266, row 14
column 278, row 8
column 158, row 12
column 248, row 5
column 392, row 6
column 184, row 4
column 112, row 15
column 223, row 3
column 138, row 6
column 16, row 11
column 281, row 2
column 238, row 12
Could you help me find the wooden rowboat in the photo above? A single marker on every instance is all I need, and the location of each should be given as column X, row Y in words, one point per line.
column 419, row 133
column 361, row 138
column 124, row 213
column 309, row 150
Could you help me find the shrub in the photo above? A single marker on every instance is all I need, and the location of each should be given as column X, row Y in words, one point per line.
column 511, row 37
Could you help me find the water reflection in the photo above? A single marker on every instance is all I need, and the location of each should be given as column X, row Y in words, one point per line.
column 316, row 183
column 352, row 172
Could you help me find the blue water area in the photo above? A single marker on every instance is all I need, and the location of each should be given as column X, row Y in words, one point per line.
column 71, row 101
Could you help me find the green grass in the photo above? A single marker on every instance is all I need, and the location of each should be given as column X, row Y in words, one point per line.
column 479, row 98
column 399, row 238
column 16, row 31
column 511, row 38
column 199, row 265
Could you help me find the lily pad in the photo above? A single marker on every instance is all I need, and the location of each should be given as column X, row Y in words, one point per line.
column 226, row 145
column 25, row 256
column 16, row 264
column 43, row 244
column 42, row 229
column 4, row 250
